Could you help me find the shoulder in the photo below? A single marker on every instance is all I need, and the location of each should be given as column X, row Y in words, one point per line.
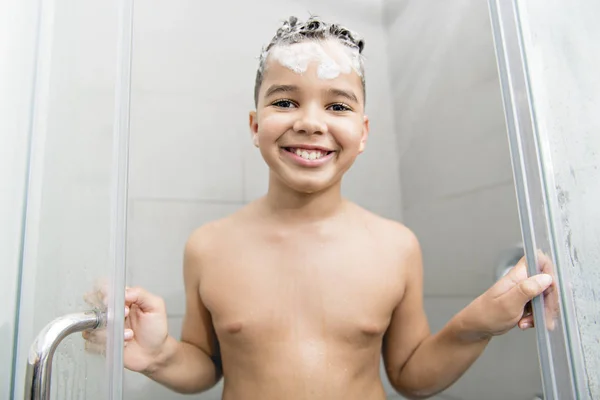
column 389, row 232
column 396, row 246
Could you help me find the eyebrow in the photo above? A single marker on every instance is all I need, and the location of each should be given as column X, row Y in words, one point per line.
column 294, row 89
column 281, row 89
column 344, row 93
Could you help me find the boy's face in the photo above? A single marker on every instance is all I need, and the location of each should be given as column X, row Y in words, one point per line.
column 310, row 126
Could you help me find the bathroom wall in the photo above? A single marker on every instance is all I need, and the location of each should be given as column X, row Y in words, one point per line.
column 192, row 160
column 457, row 185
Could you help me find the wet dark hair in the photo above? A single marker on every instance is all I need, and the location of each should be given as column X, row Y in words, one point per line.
column 292, row 31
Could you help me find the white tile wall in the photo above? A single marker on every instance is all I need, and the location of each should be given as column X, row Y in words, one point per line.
column 462, row 149
column 447, row 101
column 185, row 146
column 462, row 237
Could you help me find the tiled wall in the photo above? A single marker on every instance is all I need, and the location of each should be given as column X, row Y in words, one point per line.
column 192, row 160
column 457, row 187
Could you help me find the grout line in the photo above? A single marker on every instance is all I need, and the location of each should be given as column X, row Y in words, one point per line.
column 454, row 196
column 484, row 188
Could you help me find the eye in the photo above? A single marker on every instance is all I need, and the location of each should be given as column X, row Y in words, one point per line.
column 284, row 104
column 339, row 107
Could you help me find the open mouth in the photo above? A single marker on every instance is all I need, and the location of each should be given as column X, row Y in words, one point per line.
column 308, row 154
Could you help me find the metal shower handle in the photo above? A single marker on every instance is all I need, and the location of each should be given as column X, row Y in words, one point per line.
column 39, row 361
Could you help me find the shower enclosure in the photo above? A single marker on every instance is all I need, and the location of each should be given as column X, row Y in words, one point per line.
column 67, row 187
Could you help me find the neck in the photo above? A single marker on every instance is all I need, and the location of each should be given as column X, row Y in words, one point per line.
column 291, row 205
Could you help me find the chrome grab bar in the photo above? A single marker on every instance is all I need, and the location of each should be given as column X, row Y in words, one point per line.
column 39, row 362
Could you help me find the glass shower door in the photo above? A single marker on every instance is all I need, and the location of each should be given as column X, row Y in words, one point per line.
column 559, row 348
column 73, row 256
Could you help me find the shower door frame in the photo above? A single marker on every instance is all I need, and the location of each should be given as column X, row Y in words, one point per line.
column 559, row 351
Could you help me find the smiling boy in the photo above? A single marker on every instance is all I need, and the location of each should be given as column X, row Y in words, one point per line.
column 298, row 294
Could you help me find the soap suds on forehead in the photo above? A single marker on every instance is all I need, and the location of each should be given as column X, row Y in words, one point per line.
column 333, row 59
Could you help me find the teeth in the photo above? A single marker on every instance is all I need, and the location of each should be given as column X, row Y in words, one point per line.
column 309, row 154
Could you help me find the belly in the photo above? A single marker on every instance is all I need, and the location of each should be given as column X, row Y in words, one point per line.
column 307, row 369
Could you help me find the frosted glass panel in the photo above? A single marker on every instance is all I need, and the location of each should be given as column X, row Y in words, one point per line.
column 69, row 240
column 533, row 126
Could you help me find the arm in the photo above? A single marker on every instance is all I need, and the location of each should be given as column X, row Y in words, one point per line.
column 419, row 364
column 192, row 364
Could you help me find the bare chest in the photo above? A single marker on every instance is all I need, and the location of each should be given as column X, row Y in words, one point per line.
column 336, row 290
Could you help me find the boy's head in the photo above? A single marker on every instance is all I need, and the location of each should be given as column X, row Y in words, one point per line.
column 309, row 122
column 314, row 29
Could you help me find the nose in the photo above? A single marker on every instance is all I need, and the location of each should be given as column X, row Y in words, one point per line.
column 310, row 122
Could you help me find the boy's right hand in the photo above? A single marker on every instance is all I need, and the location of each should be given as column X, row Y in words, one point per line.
column 145, row 334
column 146, row 330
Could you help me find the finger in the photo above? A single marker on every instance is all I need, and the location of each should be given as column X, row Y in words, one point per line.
column 518, row 272
column 128, row 334
column 92, row 299
column 545, row 264
column 126, row 311
column 95, row 348
column 528, row 289
column 512, row 278
column 146, row 301
column 96, row 337
column 551, row 303
column 550, row 323
column 98, row 296
column 526, row 322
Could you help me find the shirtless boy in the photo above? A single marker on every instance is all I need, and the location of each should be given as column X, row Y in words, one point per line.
column 298, row 294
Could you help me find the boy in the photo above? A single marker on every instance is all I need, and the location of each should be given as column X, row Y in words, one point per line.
column 295, row 295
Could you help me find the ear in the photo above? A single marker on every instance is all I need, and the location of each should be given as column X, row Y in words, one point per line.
column 365, row 135
column 253, row 122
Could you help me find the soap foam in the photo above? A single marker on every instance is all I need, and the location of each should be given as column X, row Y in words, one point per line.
column 333, row 58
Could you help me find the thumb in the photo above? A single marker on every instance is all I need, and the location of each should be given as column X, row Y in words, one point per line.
column 527, row 289
column 146, row 301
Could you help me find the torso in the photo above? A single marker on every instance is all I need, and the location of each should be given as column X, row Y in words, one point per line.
column 300, row 310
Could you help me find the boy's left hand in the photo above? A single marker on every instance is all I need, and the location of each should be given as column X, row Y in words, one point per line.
column 508, row 303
